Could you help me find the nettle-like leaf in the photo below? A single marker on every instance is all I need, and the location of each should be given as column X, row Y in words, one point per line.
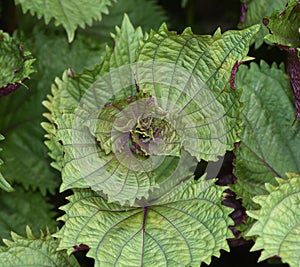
column 278, row 221
column 270, row 144
column 254, row 11
column 284, row 26
column 15, row 64
column 33, row 251
column 3, row 183
column 133, row 168
column 69, row 14
column 187, row 228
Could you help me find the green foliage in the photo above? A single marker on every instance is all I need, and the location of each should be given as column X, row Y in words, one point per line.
column 22, row 122
column 3, row 183
column 69, row 14
column 130, row 124
column 66, row 93
column 268, row 133
column 24, row 155
column 187, row 228
column 81, row 168
column 284, row 26
column 210, row 59
column 144, row 13
column 278, row 220
column 257, row 10
column 15, row 62
column 23, row 207
column 32, row 251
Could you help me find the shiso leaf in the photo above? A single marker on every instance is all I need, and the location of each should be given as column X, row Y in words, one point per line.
column 269, row 146
column 15, row 64
column 257, row 10
column 107, row 173
column 277, row 223
column 187, row 228
column 284, row 26
column 70, row 14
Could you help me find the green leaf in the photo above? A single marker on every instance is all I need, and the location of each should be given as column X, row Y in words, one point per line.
column 257, row 11
column 3, row 183
column 270, row 144
column 278, row 221
column 284, row 26
column 15, row 64
column 197, row 84
column 188, row 228
column 70, row 14
column 35, row 252
column 23, row 207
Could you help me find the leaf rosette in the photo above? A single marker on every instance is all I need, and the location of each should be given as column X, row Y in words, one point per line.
column 134, row 128
column 134, row 144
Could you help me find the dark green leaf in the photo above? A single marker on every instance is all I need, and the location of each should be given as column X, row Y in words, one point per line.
column 270, row 144
column 21, row 208
column 34, row 252
column 70, row 14
column 278, row 221
column 15, row 64
column 285, row 25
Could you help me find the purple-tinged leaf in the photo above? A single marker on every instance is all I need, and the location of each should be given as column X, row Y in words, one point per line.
column 294, row 72
column 7, row 89
column 233, row 72
column 15, row 64
column 256, row 11
column 284, row 26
